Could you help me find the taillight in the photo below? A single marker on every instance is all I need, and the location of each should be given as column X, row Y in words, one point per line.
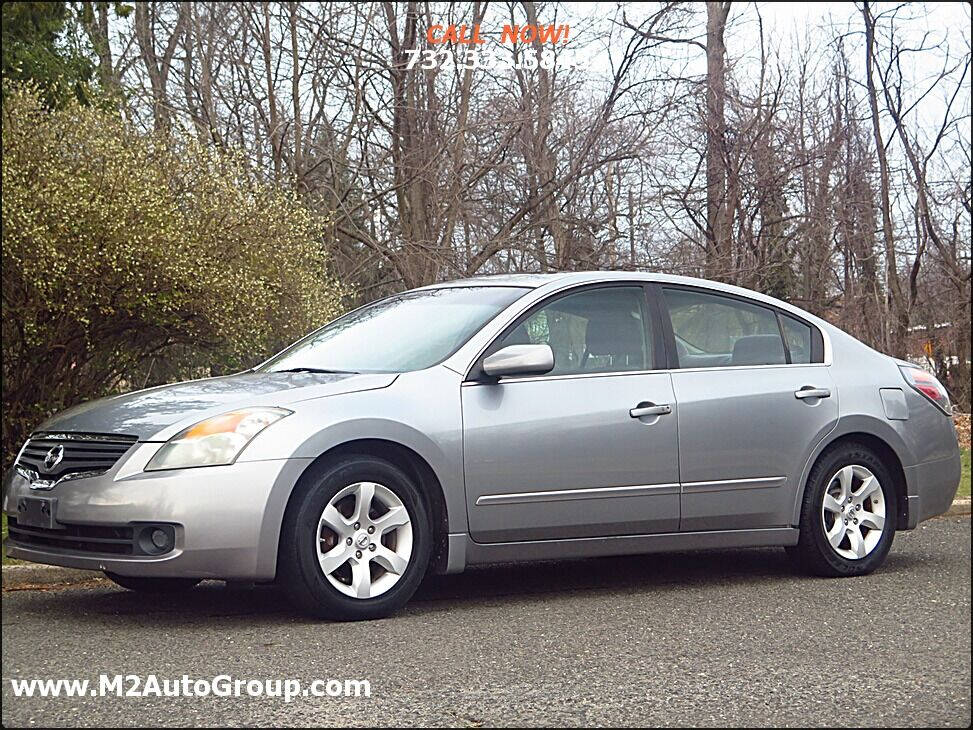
column 927, row 385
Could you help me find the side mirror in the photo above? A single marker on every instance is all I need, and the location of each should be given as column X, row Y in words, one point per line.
column 520, row 360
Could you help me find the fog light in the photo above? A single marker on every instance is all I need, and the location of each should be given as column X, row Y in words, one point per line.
column 155, row 539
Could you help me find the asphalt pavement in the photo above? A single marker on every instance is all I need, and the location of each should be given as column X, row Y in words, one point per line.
column 712, row 638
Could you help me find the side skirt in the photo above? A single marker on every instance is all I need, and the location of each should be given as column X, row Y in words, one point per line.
column 463, row 551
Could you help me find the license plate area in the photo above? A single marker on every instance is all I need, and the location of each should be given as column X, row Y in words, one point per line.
column 37, row 512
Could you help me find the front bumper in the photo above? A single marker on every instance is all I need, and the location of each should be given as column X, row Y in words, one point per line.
column 227, row 518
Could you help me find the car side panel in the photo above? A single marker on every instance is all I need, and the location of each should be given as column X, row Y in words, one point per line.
column 925, row 437
column 420, row 411
column 743, row 439
column 558, row 458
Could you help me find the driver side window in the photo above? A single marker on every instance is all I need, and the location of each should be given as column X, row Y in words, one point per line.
column 597, row 330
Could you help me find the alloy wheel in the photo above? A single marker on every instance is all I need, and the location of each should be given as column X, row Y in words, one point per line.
column 853, row 512
column 364, row 540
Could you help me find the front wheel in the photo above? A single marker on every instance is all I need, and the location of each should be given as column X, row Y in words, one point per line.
column 355, row 542
column 848, row 513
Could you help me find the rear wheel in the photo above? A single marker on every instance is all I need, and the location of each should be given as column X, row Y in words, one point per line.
column 848, row 513
column 153, row 585
column 355, row 542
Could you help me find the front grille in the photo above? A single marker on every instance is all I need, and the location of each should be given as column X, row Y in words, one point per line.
column 80, row 453
column 110, row 540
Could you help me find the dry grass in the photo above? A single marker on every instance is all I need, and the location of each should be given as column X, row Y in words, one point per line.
column 962, row 421
column 90, row 583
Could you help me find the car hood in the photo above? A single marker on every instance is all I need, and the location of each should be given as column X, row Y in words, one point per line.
column 145, row 413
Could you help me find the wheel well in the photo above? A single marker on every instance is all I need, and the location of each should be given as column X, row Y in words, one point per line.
column 412, row 464
column 891, row 460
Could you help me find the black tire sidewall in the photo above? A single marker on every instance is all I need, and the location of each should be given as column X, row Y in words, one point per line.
column 830, row 562
column 301, row 572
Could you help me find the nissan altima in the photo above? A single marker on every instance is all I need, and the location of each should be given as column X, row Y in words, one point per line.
column 496, row 419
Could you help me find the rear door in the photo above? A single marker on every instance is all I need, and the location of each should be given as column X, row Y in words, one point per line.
column 742, row 374
column 561, row 455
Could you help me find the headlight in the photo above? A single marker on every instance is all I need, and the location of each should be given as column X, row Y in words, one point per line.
column 215, row 441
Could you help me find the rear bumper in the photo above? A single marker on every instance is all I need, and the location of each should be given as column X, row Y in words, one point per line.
column 930, row 488
column 226, row 518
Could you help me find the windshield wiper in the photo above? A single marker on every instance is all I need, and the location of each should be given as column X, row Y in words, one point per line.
column 316, row 370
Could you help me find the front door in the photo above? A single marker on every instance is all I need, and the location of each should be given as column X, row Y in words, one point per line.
column 563, row 455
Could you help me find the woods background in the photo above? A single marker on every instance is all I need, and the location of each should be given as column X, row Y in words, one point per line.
column 827, row 165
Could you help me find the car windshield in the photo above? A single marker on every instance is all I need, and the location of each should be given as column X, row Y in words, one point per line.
column 410, row 331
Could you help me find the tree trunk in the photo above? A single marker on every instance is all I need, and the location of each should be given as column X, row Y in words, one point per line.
column 718, row 213
column 157, row 67
column 296, row 98
column 94, row 18
column 895, row 299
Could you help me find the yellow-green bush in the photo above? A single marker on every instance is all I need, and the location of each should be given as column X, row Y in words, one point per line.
column 132, row 259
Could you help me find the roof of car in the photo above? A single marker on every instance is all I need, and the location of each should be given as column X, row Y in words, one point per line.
column 526, row 280
column 579, row 277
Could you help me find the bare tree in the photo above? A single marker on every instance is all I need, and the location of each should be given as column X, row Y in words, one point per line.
column 158, row 65
column 704, row 145
column 719, row 203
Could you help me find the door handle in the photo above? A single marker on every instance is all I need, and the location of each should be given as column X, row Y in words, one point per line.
column 641, row 411
column 810, row 392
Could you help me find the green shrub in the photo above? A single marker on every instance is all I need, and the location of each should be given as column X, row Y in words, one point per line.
column 132, row 259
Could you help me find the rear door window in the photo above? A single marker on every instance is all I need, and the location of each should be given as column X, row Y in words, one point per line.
column 797, row 335
column 716, row 331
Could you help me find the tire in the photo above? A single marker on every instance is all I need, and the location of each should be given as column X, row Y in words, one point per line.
column 854, row 546
column 153, row 585
column 309, row 545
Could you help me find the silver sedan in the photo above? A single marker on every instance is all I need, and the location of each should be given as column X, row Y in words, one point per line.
column 497, row 419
